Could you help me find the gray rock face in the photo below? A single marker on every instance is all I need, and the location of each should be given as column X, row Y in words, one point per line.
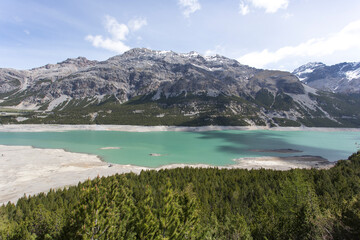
column 339, row 78
column 10, row 80
column 144, row 72
column 37, row 78
column 175, row 88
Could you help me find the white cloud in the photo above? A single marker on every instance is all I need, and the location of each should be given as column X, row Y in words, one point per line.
column 117, row 30
column 107, row 43
column 348, row 38
column 137, row 23
column 243, row 8
column 270, row 6
column 118, row 34
column 27, row 32
column 189, row 6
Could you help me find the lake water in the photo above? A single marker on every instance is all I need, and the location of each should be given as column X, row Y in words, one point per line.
column 217, row 148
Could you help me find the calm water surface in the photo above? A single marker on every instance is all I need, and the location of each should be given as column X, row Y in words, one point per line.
column 213, row 147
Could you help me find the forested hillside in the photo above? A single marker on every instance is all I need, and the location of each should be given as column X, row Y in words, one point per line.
column 196, row 204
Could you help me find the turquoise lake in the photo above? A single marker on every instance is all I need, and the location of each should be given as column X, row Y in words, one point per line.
column 216, row 148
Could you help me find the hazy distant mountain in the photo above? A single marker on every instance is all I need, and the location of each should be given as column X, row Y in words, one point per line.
column 338, row 78
column 149, row 87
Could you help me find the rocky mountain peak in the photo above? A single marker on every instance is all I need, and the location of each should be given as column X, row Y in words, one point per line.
column 79, row 61
column 302, row 71
column 339, row 78
column 142, row 71
column 144, row 54
column 137, row 52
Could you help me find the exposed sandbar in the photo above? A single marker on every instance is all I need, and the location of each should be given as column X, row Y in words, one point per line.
column 132, row 128
column 28, row 170
column 110, row 148
column 284, row 163
column 288, row 150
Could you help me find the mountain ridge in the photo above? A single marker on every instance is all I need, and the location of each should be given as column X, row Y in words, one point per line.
column 338, row 78
column 165, row 87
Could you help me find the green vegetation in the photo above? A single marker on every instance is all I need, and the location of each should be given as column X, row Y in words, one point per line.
column 343, row 107
column 264, row 98
column 141, row 110
column 196, row 204
column 197, row 110
column 284, row 122
column 14, row 110
column 16, row 98
column 7, row 94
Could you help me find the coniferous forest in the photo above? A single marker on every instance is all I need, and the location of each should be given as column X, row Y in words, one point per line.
column 196, row 204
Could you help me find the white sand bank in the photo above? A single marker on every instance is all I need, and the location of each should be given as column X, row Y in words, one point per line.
column 132, row 128
column 28, row 170
column 274, row 163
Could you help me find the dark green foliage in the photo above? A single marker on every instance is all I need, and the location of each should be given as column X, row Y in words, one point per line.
column 283, row 102
column 290, row 87
column 284, row 122
column 344, row 108
column 198, row 110
column 147, row 224
column 264, row 98
column 169, row 215
column 16, row 98
column 7, row 94
column 196, row 204
column 319, row 122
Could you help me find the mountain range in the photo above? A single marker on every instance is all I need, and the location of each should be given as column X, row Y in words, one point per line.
column 150, row 87
column 338, row 78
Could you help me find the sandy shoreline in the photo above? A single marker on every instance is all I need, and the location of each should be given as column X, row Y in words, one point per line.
column 133, row 128
column 28, row 170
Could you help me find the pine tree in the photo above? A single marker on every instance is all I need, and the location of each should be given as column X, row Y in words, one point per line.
column 310, row 222
column 43, row 222
column 123, row 211
column 189, row 227
column 93, row 212
column 114, row 215
column 147, row 223
column 351, row 216
column 170, row 214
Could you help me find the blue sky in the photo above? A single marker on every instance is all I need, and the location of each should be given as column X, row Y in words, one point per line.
column 273, row 34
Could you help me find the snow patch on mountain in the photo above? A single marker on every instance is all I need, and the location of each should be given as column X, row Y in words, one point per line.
column 338, row 78
column 350, row 75
column 190, row 54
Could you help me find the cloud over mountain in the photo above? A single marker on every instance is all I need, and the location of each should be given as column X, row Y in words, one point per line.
column 345, row 39
column 118, row 34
